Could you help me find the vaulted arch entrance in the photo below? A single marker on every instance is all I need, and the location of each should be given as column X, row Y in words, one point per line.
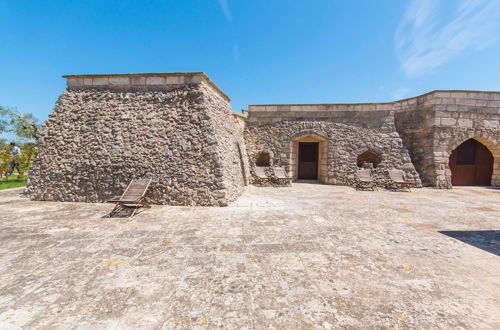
column 471, row 164
column 309, row 156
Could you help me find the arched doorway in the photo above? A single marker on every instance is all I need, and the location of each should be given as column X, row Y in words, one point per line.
column 471, row 164
column 309, row 156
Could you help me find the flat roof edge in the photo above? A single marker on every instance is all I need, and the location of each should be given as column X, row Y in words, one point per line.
column 377, row 103
column 153, row 74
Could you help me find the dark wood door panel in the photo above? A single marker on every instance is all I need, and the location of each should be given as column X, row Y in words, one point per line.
column 308, row 160
column 484, row 165
column 471, row 164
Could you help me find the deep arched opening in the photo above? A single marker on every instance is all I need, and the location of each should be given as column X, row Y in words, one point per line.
column 263, row 159
column 471, row 164
column 368, row 159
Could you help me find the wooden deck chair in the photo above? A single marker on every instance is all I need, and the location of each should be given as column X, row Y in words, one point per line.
column 365, row 180
column 398, row 181
column 261, row 178
column 132, row 196
column 280, row 178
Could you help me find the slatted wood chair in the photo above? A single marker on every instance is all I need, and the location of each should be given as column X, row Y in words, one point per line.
column 280, row 178
column 133, row 196
column 398, row 180
column 365, row 180
column 261, row 178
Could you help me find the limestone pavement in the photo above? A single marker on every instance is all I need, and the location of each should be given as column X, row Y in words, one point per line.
column 310, row 257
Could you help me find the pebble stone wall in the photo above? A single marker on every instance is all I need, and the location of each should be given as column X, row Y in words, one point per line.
column 179, row 129
column 106, row 131
column 346, row 135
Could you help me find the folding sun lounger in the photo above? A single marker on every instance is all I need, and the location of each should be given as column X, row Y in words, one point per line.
column 398, row 181
column 132, row 197
column 280, row 177
column 261, row 177
column 365, row 180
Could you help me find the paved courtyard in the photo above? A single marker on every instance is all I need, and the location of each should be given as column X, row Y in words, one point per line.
column 310, row 256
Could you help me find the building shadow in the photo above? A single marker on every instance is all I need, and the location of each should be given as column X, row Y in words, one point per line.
column 487, row 240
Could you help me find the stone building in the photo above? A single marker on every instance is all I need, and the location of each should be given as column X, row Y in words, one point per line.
column 105, row 130
column 179, row 129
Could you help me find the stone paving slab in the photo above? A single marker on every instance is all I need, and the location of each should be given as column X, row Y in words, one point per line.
column 309, row 256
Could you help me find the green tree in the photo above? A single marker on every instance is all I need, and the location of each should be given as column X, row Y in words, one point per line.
column 5, row 119
column 24, row 125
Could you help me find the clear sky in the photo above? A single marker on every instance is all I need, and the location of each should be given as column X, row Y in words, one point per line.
column 279, row 51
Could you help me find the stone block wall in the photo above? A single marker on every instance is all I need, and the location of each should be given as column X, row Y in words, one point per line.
column 107, row 130
column 440, row 121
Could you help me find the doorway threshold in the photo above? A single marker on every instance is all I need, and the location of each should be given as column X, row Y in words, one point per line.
column 307, row 181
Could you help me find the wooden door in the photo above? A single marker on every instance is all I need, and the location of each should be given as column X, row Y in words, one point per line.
column 471, row 164
column 308, row 160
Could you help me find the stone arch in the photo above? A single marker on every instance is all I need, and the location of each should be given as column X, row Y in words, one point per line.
column 493, row 148
column 369, row 156
column 311, row 136
column 263, row 159
column 310, row 132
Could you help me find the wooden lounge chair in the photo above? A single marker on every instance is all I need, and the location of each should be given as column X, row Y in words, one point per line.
column 261, row 178
column 365, row 180
column 280, row 178
column 132, row 196
column 398, row 181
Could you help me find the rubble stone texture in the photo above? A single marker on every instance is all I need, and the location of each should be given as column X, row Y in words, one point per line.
column 342, row 136
column 182, row 135
column 430, row 126
column 179, row 129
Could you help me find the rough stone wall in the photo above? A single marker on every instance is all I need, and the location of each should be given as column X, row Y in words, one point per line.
column 347, row 134
column 417, row 137
column 233, row 160
column 441, row 121
column 98, row 139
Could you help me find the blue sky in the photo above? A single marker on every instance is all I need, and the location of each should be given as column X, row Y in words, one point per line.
column 320, row 51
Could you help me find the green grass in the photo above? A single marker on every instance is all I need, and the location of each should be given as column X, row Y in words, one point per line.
column 12, row 182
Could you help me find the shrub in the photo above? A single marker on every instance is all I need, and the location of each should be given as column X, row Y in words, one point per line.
column 25, row 160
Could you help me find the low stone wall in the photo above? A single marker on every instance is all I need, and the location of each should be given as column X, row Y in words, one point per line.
column 98, row 139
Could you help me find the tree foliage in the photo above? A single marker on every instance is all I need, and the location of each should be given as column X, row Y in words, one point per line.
column 24, row 125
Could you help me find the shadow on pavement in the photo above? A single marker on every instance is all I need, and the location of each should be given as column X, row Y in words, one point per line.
column 487, row 240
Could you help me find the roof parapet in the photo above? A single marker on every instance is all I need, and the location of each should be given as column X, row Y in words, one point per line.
column 459, row 97
column 144, row 80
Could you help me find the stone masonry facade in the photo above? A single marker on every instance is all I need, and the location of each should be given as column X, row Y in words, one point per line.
column 342, row 135
column 434, row 124
column 179, row 130
column 105, row 131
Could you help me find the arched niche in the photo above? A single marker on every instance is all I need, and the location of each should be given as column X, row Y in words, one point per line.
column 263, row 159
column 368, row 157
